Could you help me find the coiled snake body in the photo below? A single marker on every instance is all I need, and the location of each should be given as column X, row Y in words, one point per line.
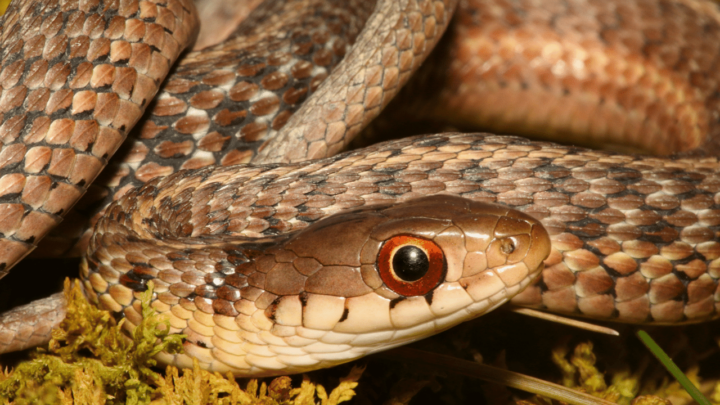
column 282, row 268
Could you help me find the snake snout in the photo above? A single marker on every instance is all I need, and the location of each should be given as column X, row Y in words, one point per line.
column 521, row 244
column 505, row 250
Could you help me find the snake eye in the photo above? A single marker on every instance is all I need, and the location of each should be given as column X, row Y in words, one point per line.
column 411, row 266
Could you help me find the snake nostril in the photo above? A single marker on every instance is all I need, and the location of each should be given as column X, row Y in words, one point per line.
column 507, row 246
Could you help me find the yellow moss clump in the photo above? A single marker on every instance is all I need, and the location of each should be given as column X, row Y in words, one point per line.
column 91, row 361
column 197, row 386
column 625, row 388
column 580, row 372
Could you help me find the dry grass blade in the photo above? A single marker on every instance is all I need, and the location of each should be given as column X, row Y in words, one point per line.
column 495, row 375
column 575, row 323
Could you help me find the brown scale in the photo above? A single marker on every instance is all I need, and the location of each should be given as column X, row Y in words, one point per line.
column 70, row 93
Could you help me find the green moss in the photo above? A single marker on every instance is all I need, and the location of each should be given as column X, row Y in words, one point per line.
column 579, row 371
column 197, row 386
column 91, row 361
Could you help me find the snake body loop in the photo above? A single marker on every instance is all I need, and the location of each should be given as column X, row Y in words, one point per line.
column 290, row 266
column 76, row 77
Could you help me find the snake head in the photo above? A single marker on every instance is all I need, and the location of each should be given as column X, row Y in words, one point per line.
column 348, row 285
column 374, row 278
column 396, row 274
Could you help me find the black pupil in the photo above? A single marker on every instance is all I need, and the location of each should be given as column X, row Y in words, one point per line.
column 410, row 263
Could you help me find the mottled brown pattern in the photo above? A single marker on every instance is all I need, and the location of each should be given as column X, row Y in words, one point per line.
column 31, row 325
column 639, row 75
column 243, row 89
column 70, row 93
column 328, row 122
column 604, row 262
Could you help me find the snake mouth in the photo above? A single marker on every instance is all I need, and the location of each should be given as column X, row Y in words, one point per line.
column 457, row 302
column 452, row 303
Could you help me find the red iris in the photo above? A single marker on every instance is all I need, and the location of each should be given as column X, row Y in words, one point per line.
column 411, row 266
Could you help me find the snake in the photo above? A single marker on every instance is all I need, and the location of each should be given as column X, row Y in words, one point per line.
column 276, row 252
